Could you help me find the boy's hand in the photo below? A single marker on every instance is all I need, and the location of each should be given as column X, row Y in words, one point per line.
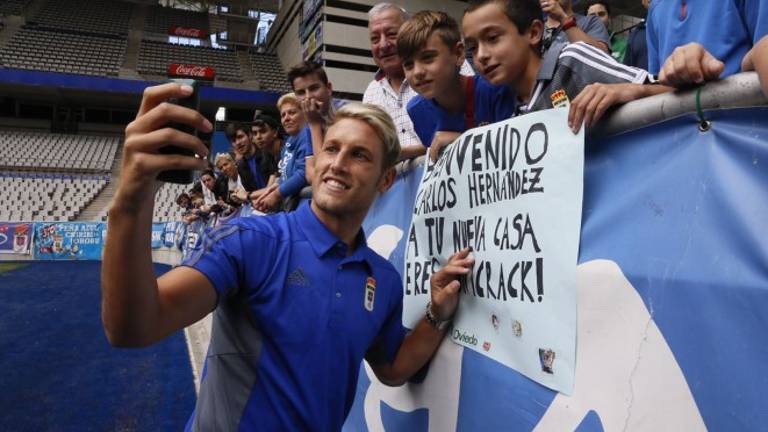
column 445, row 284
column 313, row 110
column 553, row 9
column 149, row 132
column 269, row 200
column 257, row 194
column 441, row 139
column 590, row 105
column 239, row 196
column 690, row 64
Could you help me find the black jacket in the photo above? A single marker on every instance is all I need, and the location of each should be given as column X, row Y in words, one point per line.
column 265, row 163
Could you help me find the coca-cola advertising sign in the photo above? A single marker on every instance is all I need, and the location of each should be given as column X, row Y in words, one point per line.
column 188, row 32
column 193, row 71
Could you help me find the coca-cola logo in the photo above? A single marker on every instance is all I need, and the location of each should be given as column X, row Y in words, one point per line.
column 188, row 32
column 186, row 70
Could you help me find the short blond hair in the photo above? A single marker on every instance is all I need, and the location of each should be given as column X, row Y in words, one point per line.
column 380, row 122
column 221, row 156
column 288, row 98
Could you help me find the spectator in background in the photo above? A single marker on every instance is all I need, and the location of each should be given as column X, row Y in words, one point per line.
column 291, row 168
column 253, row 167
column 602, row 10
column 315, row 94
column 505, row 39
column 229, row 190
column 693, row 41
column 390, row 90
column 184, row 201
column 564, row 26
column 430, row 47
column 197, row 212
column 266, row 137
column 206, row 188
column 637, row 46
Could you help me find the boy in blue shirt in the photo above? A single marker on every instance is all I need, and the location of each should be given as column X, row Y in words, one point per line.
column 448, row 103
column 505, row 39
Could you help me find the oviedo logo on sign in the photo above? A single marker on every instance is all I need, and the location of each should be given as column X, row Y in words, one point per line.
column 462, row 337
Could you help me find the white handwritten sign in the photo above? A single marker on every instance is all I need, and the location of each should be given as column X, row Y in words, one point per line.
column 511, row 191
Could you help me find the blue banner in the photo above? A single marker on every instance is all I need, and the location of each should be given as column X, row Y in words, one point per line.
column 158, row 230
column 672, row 289
column 15, row 238
column 69, row 240
column 169, row 233
column 192, row 236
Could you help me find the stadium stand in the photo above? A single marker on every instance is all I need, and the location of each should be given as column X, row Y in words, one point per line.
column 46, row 197
column 266, row 68
column 94, row 16
column 12, row 7
column 160, row 19
column 154, row 58
column 57, row 152
column 166, row 208
column 60, row 51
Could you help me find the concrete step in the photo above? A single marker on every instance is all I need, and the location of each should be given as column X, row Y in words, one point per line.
column 131, row 57
column 101, row 203
column 11, row 24
column 245, row 66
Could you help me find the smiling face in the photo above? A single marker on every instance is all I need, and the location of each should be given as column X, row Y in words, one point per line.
column 292, row 118
column 501, row 54
column 382, row 30
column 349, row 172
column 228, row 168
column 434, row 69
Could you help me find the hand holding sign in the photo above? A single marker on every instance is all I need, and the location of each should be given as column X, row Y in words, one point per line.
column 445, row 284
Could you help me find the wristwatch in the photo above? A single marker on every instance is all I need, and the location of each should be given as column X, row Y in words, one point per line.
column 433, row 321
column 568, row 23
column 651, row 79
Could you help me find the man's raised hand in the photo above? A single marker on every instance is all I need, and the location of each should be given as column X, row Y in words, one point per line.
column 445, row 284
column 150, row 131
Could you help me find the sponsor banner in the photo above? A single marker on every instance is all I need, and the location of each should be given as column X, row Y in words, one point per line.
column 314, row 42
column 306, row 28
column 158, row 229
column 191, row 71
column 16, row 238
column 69, row 240
column 511, row 191
column 192, row 234
column 309, row 10
column 169, row 233
column 672, row 296
column 188, row 32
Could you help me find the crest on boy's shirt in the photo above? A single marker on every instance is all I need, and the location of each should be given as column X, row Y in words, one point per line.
column 560, row 99
column 370, row 293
